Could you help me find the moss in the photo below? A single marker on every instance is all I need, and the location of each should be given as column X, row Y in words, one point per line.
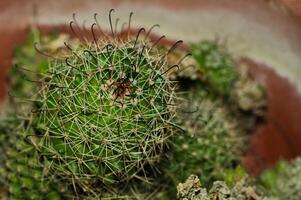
column 191, row 189
column 232, row 176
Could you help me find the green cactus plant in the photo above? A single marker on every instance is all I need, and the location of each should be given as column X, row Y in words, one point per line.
column 211, row 144
column 215, row 127
column 23, row 173
column 20, row 172
column 104, row 113
column 6, row 125
column 25, row 56
column 283, row 181
column 217, row 66
column 226, row 78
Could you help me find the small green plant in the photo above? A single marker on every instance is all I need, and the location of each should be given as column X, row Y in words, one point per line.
column 283, row 181
column 6, row 126
column 26, row 57
column 20, row 172
column 226, row 80
column 28, row 63
column 216, row 65
column 210, row 144
column 104, row 114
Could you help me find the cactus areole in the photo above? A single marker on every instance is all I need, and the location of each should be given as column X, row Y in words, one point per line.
column 104, row 111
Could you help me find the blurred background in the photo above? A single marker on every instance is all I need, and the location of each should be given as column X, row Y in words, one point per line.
column 263, row 34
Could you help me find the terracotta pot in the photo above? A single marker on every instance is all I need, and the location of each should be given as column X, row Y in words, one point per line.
column 263, row 34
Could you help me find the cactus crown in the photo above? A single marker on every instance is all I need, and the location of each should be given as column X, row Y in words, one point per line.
column 104, row 111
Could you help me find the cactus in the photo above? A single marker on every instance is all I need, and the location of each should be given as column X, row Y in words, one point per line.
column 211, row 143
column 248, row 95
column 104, row 114
column 216, row 65
column 283, row 181
column 6, row 125
column 24, row 175
column 215, row 129
column 217, row 69
column 25, row 56
column 21, row 175
column 28, row 63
